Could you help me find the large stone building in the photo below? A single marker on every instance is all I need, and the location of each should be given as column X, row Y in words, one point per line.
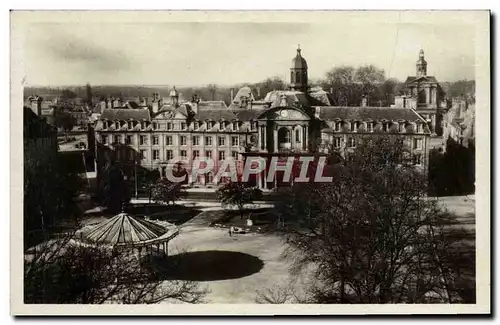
column 424, row 94
column 293, row 122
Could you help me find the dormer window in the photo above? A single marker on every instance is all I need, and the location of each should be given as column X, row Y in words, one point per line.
column 354, row 126
column 401, row 127
column 420, row 128
column 222, row 125
column 155, row 126
column 338, row 126
column 369, row 126
column 385, row 126
column 235, row 126
column 196, row 125
column 183, row 125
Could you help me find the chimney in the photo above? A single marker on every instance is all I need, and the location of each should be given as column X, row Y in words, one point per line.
column 232, row 95
column 156, row 102
column 317, row 111
column 36, row 105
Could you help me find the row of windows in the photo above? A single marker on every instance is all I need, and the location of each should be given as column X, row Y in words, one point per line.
column 143, row 140
column 183, row 154
column 351, row 142
column 353, row 127
column 170, row 126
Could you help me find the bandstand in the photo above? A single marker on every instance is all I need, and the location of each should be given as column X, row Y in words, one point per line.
column 140, row 236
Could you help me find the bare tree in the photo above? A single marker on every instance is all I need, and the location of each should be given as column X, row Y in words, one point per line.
column 372, row 234
column 66, row 272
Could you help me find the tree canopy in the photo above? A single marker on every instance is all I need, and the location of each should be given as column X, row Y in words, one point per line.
column 372, row 234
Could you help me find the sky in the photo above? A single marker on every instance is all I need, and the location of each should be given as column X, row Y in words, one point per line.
column 103, row 52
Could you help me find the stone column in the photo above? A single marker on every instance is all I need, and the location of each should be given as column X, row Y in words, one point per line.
column 275, row 139
column 292, row 138
column 259, row 137
column 306, row 144
column 433, row 123
column 265, row 137
column 428, row 95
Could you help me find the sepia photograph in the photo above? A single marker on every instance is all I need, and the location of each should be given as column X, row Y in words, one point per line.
column 252, row 162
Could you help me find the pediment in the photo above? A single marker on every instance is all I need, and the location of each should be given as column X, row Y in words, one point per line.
column 285, row 114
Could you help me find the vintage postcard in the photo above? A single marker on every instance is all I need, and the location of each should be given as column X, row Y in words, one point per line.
column 250, row 162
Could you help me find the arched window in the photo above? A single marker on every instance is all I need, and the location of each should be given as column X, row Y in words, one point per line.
column 298, row 78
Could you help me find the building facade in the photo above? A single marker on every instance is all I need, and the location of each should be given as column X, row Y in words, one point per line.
column 424, row 94
column 293, row 122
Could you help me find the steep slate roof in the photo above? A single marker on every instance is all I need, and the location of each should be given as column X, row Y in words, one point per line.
column 215, row 115
column 365, row 113
column 324, row 97
column 125, row 114
column 411, row 79
column 247, row 115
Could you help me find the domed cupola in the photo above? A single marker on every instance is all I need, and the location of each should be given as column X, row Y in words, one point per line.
column 421, row 65
column 298, row 73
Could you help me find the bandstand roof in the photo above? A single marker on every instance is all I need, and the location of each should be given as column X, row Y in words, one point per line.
column 125, row 230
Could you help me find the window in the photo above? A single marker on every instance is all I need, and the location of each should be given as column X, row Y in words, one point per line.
column 420, row 128
column 169, row 126
column 417, row 143
column 235, row 141
column 338, row 126
column 184, row 154
column 210, row 177
column 183, row 126
column 156, row 154
column 386, row 127
column 170, row 155
column 297, row 135
column 369, row 126
column 222, row 125
column 401, row 127
column 144, row 154
column 222, row 141
column 337, row 142
column 354, row 126
column 209, row 154
column 196, row 125
column 168, row 140
column 210, row 124
column 417, row 159
column 104, row 139
column 196, row 154
column 117, row 139
column 208, row 141
column 183, row 140
column 155, row 140
column 222, row 155
column 351, row 142
column 143, row 140
column 235, row 126
column 234, row 154
column 196, row 141
column 128, row 139
column 155, row 126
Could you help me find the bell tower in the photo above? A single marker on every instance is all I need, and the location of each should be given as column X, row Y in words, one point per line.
column 298, row 73
column 421, row 65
